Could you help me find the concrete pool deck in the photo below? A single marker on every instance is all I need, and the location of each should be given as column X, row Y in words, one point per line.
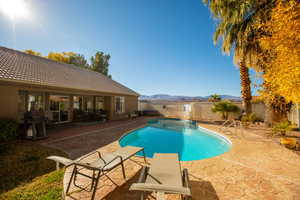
column 255, row 168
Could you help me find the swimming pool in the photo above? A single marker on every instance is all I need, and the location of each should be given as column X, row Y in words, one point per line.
column 177, row 136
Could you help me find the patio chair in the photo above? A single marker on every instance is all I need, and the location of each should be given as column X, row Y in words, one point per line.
column 163, row 176
column 133, row 115
column 99, row 167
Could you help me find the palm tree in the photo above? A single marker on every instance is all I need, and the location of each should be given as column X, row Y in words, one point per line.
column 245, row 87
column 224, row 108
column 214, row 98
column 235, row 28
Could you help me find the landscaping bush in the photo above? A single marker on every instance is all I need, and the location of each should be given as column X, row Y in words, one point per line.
column 282, row 128
column 8, row 129
column 249, row 119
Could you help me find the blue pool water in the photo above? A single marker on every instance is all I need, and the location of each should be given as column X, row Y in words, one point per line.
column 177, row 136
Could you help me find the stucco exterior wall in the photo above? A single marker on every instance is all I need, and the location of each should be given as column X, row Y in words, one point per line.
column 8, row 102
column 131, row 105
column 9, row 97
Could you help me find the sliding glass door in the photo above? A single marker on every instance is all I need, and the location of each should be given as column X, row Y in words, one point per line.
column 59, row 106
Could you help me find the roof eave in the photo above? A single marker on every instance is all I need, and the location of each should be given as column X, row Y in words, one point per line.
column 57, row 87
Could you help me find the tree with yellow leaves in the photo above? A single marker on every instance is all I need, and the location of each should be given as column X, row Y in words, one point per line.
column 63, row 57
column 35, row 53
column 280, row 55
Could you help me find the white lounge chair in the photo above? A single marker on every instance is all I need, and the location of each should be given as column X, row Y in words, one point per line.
column 164, row 176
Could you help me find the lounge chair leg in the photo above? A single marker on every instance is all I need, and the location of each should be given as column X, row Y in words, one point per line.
column 57, row 165
column 70, row 181
column 123, row 170
column 95, row 185
column 142, row 196
column 93, row 180
column 75, row 176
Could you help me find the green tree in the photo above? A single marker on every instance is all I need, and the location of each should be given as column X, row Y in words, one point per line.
column 214, row 98
column 79, row 60
column 100, row 63
column 224, row 108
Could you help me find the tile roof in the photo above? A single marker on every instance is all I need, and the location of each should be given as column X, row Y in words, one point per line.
column 18, row 66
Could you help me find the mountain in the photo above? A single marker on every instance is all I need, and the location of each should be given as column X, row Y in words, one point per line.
column 228, row 97
column 166, row 97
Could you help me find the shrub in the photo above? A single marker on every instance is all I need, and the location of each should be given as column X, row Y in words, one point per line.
column 282, row 128
column 8, row 129
column 248, row 119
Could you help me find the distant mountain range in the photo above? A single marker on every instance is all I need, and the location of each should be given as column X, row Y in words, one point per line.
column 166, row 97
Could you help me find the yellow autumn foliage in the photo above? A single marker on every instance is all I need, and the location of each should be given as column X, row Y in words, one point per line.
column 281, row 50
column 35, row 53
column 61, row 57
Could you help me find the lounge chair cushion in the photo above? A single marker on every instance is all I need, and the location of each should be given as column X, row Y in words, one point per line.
column 99, row 163
column 165, row 169
column 127, row 152
column 163, row 176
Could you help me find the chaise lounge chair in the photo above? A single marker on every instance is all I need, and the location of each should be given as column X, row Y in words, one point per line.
column 99, row 167
column 164, row 176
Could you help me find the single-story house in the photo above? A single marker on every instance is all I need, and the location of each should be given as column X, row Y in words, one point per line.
column 59, row 90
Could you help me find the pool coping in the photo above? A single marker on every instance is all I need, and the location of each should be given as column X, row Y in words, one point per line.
column 127, row 132
column 217, row 134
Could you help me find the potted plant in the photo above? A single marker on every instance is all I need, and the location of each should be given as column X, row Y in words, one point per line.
column 282, row 129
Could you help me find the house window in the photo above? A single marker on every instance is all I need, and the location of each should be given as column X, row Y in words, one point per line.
column 99, row 103
column 78, row 103
column 120, row 104
column 35, row 102
column 88, row 103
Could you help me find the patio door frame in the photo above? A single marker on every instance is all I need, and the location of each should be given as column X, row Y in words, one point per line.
column 59, row 110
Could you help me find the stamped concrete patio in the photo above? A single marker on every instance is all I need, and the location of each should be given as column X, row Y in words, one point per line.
column 255, row 168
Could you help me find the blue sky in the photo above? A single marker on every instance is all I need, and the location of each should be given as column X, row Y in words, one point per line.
column 156, row 46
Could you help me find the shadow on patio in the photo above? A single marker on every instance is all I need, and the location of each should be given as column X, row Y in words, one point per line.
column 201, row 189
column 78, row 141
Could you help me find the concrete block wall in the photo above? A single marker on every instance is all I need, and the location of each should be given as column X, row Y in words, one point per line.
column 199, row 110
